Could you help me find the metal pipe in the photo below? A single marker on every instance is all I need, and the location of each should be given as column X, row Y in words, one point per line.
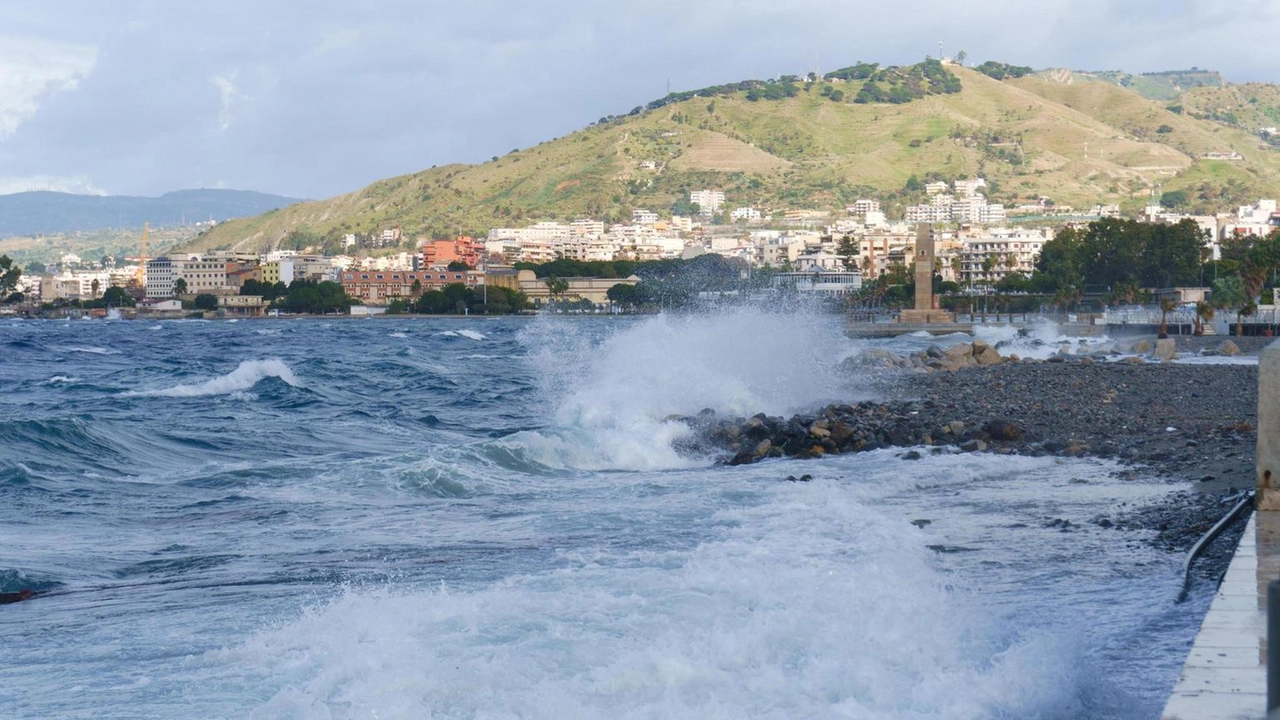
column 1245, row 499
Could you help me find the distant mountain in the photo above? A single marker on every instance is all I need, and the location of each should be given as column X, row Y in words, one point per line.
column 46, row 213
column 861, row 132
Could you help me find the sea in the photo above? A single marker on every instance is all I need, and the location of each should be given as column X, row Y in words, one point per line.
column 495, row 518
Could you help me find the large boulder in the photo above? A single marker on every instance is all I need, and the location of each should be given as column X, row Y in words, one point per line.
column 1228, row 348
column 978, row 346
column 1003, row 430
column 1141, row 347
column 958, row 351
column 988, row 356
column 1166, row 349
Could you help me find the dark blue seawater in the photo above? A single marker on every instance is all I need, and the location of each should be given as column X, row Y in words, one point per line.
column 487, row 519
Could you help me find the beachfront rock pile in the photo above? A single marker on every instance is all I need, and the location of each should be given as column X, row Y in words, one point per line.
column 840, row 429
column 980, row 354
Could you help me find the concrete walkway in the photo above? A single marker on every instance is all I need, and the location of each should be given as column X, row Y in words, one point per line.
column 1225, row 675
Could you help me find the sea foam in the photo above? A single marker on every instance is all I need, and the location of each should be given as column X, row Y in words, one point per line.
column 614, row 389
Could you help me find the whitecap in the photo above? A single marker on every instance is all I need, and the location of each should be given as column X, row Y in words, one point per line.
column 93, row 350
column 398, row 335
column 248, row 374
column 472, row 334
column 61, row 379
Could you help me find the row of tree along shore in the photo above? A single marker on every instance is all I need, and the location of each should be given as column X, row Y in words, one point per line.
column 1108, row 263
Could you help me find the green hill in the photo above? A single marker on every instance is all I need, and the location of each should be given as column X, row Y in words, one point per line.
column 817, row 143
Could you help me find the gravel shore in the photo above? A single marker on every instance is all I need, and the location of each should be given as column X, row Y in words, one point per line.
column 1185, row 422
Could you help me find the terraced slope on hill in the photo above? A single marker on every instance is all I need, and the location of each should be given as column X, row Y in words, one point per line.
column 1075, row 139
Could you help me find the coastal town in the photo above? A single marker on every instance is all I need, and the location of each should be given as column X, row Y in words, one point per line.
column 977, row 245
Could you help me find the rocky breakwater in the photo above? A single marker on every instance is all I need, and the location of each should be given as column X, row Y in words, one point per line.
column 840, row 429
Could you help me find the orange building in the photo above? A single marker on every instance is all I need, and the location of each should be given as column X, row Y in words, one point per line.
column 439, row 253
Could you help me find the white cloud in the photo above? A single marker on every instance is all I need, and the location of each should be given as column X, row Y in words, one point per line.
column 230, row 96
column 79, row 185
column 30, row 69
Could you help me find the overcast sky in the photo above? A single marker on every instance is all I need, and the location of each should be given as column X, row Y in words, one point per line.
column 315, row 98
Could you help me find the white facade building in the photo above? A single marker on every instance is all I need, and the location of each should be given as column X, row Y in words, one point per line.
column 709, row 200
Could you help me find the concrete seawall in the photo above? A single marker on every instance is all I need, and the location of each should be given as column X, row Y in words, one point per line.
column 1225, row 675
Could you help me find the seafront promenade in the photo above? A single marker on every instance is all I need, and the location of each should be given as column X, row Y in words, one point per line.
column 1225, row 674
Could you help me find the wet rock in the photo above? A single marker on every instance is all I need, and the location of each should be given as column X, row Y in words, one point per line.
column 921, row 522
column 1226, row 347
column 1141, row 347
column 1003, row 430
column 911, row 455
column 1166, row 349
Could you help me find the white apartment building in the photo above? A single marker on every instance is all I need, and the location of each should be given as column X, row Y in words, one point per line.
column 749, row 214
column 965, row 188
column 1010, row 250
column 862, row 207
column 201, row 275
column 587, row 226
column 936, row 188
column 833, row 283
column 708, row 200
column 644, row 217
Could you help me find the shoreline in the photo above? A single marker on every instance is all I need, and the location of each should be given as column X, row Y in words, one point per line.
column 1192, row 426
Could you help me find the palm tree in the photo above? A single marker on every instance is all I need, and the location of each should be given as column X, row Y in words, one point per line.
column 1249, row 308
column 179, row 287
column 1204, row 311
column 557, row 287
column 93, row 288
column 1167, row 305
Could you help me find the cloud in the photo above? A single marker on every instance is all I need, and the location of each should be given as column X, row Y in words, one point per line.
column 32, row 68
column 314, row 100
column 230, row 95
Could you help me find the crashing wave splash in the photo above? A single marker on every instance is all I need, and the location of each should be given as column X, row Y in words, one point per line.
column 244, row 377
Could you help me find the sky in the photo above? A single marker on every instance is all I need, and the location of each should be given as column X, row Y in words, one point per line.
column 313, row 99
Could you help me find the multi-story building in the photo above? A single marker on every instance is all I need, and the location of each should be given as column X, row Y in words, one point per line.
column 708, row 200
column 748, row 214
column 377, row 288
column 993, row 254
column 864, row 206
column 270, row 272
column 643, row 217
column 439, row 253
column 200, row 274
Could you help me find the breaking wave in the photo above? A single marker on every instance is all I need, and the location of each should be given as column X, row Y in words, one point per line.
column 244, row 377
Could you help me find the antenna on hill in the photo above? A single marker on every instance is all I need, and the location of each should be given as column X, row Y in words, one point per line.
column 668, row 86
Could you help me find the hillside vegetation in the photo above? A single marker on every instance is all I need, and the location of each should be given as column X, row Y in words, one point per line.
column 811, row 143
